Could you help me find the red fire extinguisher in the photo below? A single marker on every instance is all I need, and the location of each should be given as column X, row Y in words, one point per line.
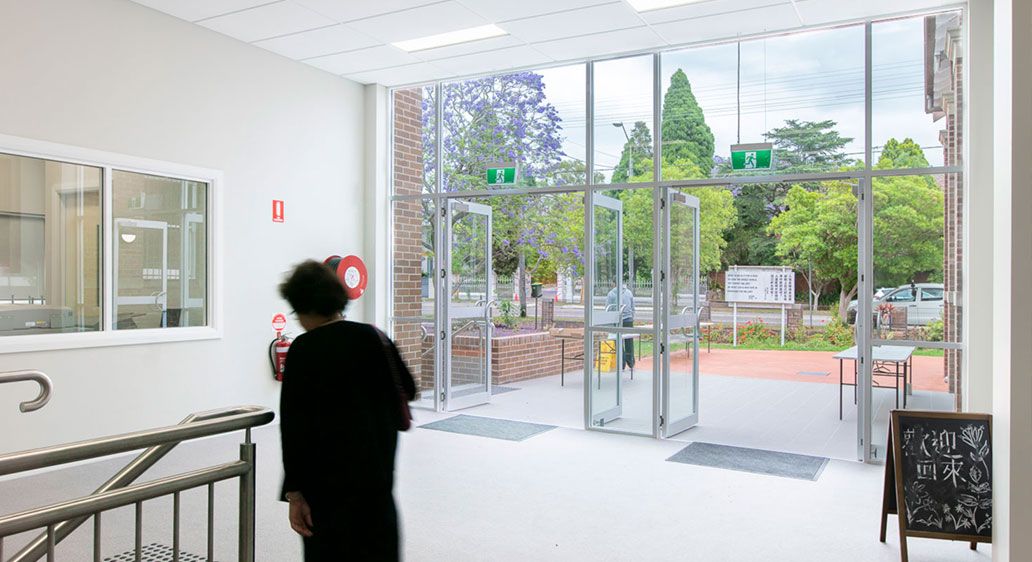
column 278, row 349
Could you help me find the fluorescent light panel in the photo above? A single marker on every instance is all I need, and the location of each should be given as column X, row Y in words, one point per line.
column 451, row 38
column 646, row 5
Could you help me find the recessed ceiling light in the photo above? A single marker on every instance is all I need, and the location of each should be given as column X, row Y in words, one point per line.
column 646, row 5
column 450, row 38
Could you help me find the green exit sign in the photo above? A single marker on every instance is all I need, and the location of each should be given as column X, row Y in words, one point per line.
column 756, row 156
column 501, row 175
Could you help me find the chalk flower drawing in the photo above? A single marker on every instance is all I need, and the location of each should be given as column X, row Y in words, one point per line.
column 972, row 511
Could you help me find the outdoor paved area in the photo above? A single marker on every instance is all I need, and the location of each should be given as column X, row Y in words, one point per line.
column 776, row 410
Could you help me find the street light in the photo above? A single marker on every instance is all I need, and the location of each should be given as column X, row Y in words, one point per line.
column 630, row 155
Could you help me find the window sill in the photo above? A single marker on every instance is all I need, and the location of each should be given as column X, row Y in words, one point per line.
column 88, row 340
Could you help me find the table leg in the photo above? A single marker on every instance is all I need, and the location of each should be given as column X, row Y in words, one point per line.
column 906, row 370
column 897, row 386
column 840, row 389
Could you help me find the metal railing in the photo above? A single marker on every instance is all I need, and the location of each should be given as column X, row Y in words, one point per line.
column 60, row 519
column 46, row 388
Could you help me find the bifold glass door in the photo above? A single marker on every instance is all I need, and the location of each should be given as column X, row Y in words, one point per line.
column 466, row 329
column 604, row 362
column 681, row 308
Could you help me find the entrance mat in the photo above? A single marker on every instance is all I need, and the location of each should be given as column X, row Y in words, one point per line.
column 155, row 552
column 509, row 430
column 815, row 373
column 502, row 389
column 759, row 461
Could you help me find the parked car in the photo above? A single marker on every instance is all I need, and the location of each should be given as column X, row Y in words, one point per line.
column 923, row 301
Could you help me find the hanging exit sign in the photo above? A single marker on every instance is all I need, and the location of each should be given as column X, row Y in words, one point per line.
column 756, row 156
column 502, row 174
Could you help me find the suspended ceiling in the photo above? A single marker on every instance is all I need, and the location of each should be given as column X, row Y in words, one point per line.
column 353, row 38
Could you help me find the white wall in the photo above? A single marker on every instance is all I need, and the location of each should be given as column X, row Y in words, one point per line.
column 115, row 76
column 1012, row 270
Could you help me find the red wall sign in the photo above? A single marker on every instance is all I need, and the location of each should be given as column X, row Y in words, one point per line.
column 277, row 210
column 279, row 321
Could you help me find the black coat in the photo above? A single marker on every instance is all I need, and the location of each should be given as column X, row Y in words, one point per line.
column 340, row 409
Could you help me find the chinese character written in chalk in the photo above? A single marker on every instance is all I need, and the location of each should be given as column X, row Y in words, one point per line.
column 951, row 469
column 926, row 470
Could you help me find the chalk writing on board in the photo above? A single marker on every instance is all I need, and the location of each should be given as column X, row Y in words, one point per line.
column 947, row 467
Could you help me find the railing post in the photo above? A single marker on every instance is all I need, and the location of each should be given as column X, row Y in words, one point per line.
column 247, row 500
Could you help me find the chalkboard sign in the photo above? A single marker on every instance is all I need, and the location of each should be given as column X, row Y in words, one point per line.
column 938, row 477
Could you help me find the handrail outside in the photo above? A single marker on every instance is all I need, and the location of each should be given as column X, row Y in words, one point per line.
column 251, row 416
column 46, row 387
column 37, row 548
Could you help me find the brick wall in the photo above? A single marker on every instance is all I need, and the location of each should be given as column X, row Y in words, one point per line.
column 513, row 358
column 408, row 232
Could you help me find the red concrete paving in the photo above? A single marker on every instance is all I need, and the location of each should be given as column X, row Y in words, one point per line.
column 786, row 365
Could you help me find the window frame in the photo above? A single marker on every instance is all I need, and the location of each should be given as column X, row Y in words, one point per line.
column 107, row 336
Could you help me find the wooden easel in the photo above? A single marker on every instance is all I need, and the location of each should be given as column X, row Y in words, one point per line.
column 893, row 501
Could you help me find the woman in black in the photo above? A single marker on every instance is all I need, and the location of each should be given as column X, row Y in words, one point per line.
column 340, row 410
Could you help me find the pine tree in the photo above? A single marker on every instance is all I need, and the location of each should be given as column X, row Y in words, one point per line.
column 686, row 136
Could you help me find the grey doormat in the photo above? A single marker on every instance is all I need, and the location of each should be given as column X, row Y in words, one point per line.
column 759, row 461
column 815, row 373
column 502, row 389
column 155, row 552
column 509, row 430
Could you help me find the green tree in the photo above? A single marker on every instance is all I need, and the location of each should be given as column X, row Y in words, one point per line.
column 908, row 229
column 716, row 212
column 686, row 136
column 905, row 154
column 808, row 146
column 636, row 151
column 819, row 229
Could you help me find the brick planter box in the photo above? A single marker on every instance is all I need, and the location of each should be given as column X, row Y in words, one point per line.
column 513, row 357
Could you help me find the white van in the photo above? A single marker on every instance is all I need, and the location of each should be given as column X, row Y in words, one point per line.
column 923, row 301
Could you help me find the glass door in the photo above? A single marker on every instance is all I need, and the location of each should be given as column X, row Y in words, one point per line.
column 141, row 273
column 468, row 298
column 609, row 295
column 681, row 306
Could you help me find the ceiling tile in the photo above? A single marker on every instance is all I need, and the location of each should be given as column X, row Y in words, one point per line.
column 346, row 10
column 267, row 21
column 506, row 10
column 419, row 22
column 492, row 44
column 193, row 10
column 706, row 8
column 363, row 60
column 727, row 26
column 599, row 44
column 323, row 41
column 606, row 17
column 502, row 59
column 827, row 11
column 399, row 75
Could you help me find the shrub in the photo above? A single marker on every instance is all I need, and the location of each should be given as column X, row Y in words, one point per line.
column 935, row 330
column 837, row 332
column 508, row 314
column 755, row 333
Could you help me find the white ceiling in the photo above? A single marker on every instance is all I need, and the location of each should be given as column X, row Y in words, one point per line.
column 351, row 38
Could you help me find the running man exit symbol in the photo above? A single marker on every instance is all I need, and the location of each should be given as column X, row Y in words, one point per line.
column 750, row 160
column 277, row 210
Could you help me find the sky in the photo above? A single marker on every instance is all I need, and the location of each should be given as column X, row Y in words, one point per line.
column 811, row 76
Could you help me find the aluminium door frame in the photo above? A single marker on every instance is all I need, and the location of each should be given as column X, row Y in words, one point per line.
column 670, row 426
column 475, row 313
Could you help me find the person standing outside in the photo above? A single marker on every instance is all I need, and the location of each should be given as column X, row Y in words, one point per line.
column 340, row 412
column 626, row 307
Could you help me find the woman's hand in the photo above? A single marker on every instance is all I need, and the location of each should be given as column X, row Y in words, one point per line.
column 300, row 514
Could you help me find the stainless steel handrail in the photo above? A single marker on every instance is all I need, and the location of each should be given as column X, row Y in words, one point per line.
column 37, row 548
column 46, row 387
column 251, row 416
column 61, row 519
